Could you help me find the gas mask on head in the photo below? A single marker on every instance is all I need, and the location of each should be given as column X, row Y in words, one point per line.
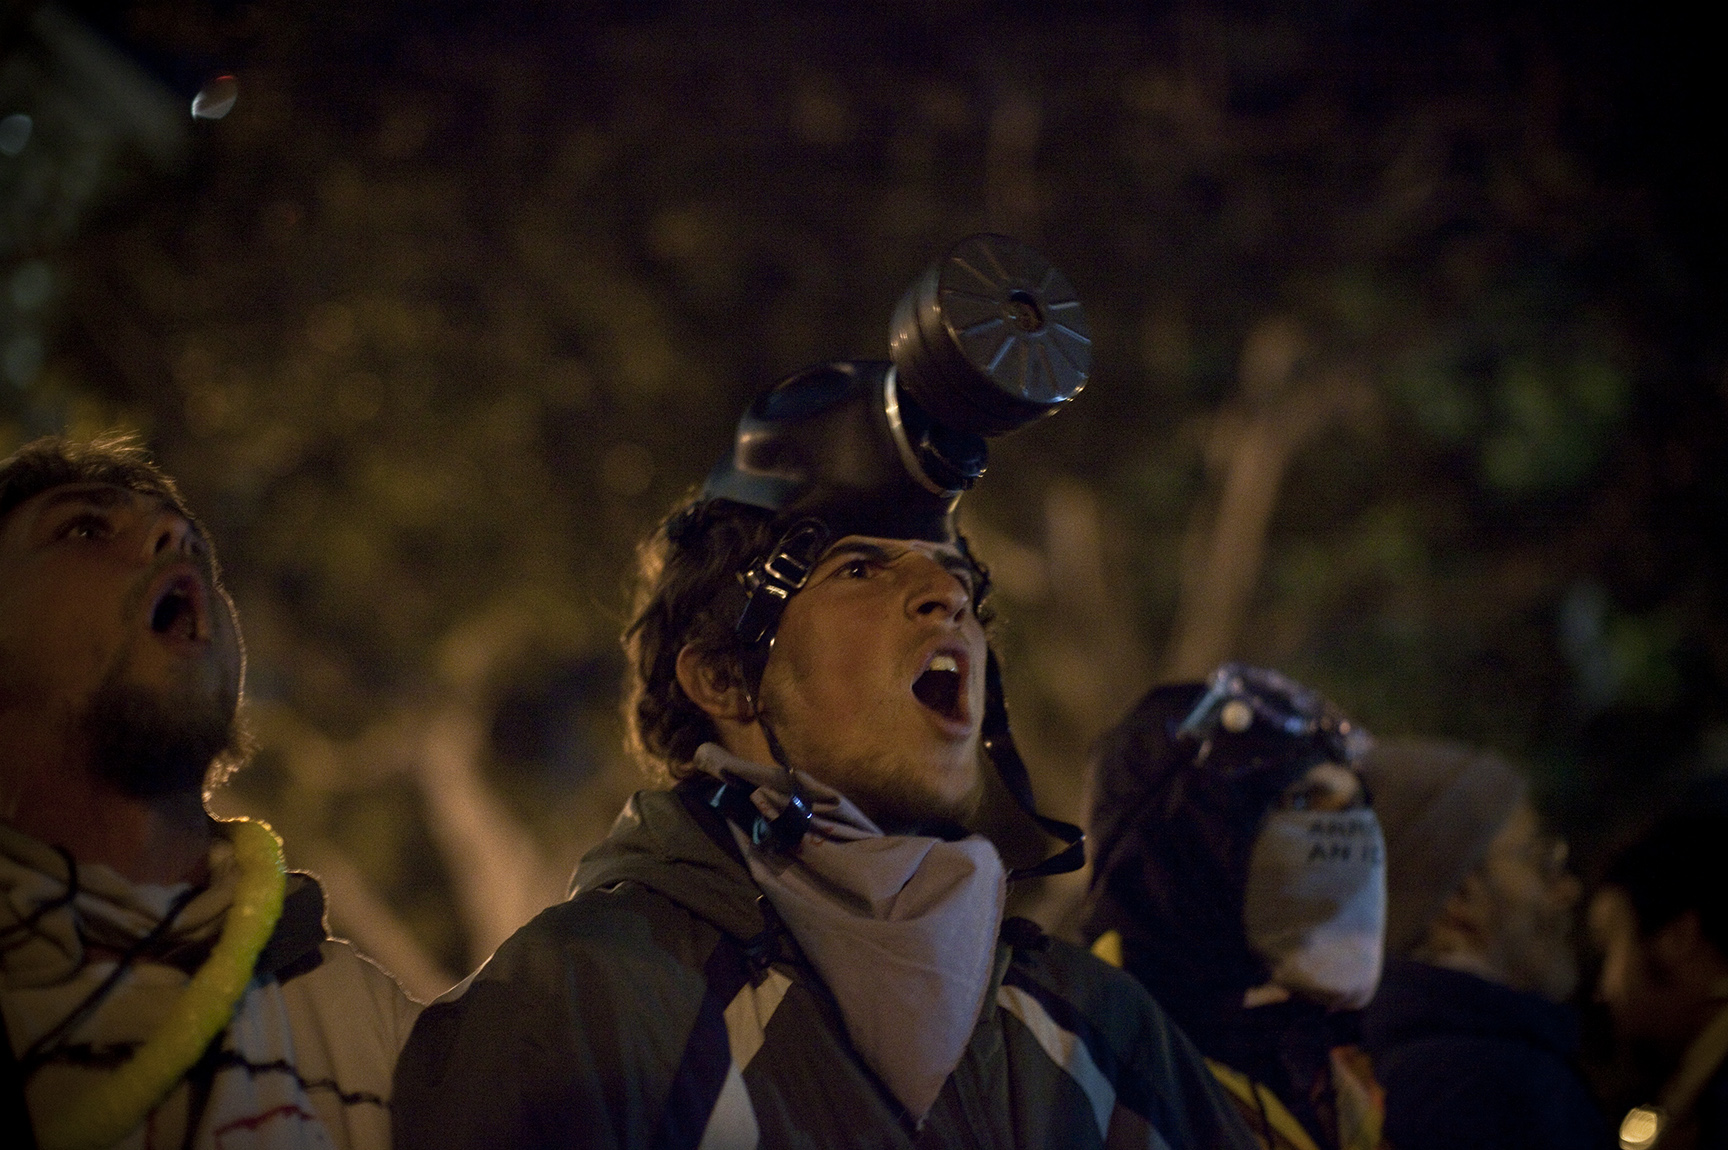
column 988, row 340
column 1314, row 906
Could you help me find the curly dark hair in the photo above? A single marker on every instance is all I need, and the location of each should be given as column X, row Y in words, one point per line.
column 53, row 461
column 689, row 594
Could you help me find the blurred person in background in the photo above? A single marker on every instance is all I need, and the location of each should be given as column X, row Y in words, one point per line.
column 1471, row 1032
column 801, row 942
column 1238, row 873
column 1660, row 920
column 163, row 982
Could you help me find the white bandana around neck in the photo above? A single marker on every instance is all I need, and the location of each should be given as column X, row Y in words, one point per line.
column 902, row 928
column 1315, row 907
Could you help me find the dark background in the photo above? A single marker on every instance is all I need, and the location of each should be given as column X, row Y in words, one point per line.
column 1409, row 366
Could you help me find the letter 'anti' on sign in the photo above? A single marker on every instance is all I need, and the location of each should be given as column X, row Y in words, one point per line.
column 1315, row 908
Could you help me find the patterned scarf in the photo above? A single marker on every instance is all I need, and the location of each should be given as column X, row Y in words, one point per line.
column 91, row 965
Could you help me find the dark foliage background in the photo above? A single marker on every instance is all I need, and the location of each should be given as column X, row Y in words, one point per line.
column 1410, row 366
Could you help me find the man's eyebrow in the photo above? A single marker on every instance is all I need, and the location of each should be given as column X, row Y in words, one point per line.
column 96, row 495
column 858, row 549
column 958, row 565
column 107, row 497
column 955, row 564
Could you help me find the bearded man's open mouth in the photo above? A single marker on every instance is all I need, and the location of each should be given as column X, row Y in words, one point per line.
column 179, row 609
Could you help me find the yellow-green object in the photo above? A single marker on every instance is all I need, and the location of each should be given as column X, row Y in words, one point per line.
column 113, row 1109
column 1252, row 1098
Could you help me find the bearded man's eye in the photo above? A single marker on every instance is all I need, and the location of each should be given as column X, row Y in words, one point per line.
column 85, row 527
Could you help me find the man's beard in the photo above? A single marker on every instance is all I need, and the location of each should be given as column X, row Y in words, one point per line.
column 897, row 800
column 1535, row 951
column 148, row 745
column 892, row 792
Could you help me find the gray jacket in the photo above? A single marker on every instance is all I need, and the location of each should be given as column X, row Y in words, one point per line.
column 663, row 1006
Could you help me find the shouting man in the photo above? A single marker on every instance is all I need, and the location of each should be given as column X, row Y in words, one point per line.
column 801, row 942
column 162, row 981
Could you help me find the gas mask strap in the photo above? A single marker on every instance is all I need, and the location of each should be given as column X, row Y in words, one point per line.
column 784, row 832
column 788, row 827
column 999, row 745
column 769, row 583
column 778, row 575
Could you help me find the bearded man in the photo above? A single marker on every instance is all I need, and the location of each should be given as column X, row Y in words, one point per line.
column 801, row 942
column 163, row 982
column 1472, row 1031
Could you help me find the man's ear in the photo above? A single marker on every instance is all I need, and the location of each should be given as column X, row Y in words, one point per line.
column 719, row 694
column 1463, row 920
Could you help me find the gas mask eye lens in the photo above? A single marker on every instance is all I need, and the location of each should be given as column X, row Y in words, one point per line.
column 954, row 456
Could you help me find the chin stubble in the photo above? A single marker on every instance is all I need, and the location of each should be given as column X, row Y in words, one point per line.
column 149, row 745
column 1536, row 951
column 899, row 801
column 891, row 791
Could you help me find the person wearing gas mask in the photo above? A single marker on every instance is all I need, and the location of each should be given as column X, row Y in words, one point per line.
column 1471, row 1031
column 801, row 941
column 1238, row 873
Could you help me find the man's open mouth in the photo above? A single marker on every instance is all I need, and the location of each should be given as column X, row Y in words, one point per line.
column 939, row 687
column 176, row 609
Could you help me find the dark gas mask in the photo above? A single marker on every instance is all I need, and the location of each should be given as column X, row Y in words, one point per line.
column 988, row 340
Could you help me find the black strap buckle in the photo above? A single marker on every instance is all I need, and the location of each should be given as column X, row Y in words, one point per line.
column 777, row 576
column 787, row 829
column 784, row 833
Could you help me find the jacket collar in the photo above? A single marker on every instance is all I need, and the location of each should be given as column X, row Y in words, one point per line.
column 1417, row 999
column 662, row 840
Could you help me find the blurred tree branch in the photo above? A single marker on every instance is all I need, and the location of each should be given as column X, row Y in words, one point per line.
column 1277, row 412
